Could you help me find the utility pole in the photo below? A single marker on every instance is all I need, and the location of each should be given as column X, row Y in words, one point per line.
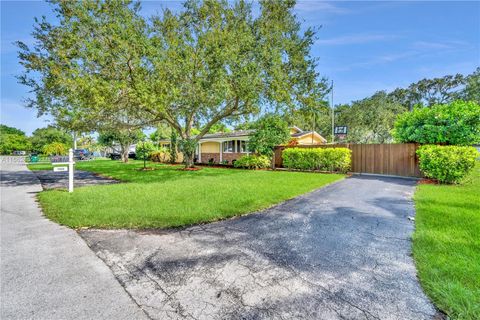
column 333, row 117
column 313, row 124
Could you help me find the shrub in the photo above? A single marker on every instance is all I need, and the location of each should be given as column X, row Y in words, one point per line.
column 160, row 155
column 457, row 123
column 447, row 164
column 253, row 162
column 270, row 131
column 143, row 150
column 55, row 149
column 323, row 159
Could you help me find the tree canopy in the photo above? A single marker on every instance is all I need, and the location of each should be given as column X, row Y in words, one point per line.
column 270, row 131
column 372, row 119
column 105, row 67
column 13, row 139
column 442, row 90
column 369, row 120
column 43, row 136
column 10, row 130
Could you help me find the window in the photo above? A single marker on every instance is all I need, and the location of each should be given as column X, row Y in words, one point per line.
column 242, row 146
column 228, row 146
column 166, row 145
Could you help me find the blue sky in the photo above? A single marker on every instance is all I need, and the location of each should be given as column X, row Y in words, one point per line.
column 363, row 46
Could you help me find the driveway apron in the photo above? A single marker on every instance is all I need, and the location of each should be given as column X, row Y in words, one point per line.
column 48, row 271
column 340, row 252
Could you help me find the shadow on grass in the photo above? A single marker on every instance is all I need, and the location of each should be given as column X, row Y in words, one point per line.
column 128, row 172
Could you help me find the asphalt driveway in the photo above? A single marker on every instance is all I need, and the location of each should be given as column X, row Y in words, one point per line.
column 341, row 252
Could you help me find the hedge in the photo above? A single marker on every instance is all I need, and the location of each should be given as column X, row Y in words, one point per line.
column 323, row 159
column 252, row 162
column 457, row 123
column 447, row 164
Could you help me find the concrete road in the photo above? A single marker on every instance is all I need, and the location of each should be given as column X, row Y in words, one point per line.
column 341, row 252
column 47, row 271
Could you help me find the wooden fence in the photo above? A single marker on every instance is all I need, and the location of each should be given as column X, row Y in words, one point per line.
column 388, row 159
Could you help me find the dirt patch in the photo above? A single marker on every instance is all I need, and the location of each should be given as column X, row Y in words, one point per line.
column 189, row 169
column 428, row 181
column 146, row 169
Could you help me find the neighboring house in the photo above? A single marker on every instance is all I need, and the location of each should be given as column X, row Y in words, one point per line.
column 229, row 146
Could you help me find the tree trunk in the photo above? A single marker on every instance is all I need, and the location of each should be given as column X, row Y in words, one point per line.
column 188, row 159
column 188, row 147
column 124, row 155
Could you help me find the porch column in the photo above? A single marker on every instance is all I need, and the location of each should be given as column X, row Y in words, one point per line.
column 199, row 152
column 221, row 151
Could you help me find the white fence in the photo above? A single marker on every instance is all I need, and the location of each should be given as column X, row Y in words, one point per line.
column 12, row 159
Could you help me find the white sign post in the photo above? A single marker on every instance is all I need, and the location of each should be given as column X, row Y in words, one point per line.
column 70, row 170
column 70, row 163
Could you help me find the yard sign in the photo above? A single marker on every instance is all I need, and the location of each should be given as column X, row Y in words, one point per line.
column 61, row 161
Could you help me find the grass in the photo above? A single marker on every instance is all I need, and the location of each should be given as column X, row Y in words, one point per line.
column 167, row 197
column 446, row 245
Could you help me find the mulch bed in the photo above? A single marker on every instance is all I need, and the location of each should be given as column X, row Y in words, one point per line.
column 428, row 181
column 189, row 169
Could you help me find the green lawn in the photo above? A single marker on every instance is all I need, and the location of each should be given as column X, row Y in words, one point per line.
column 168, row 197
column 446, row 245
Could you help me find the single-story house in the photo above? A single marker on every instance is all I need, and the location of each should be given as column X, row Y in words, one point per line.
column 229, row 146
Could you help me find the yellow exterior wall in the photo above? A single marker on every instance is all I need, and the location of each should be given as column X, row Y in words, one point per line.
column 167, row 154
column 210, row 147
column 292, row 131
column 307, row 139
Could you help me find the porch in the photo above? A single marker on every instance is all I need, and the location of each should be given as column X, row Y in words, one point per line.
column 221, row 150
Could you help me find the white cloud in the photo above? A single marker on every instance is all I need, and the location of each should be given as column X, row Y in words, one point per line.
column 356, row 39
column 378, row 60
column 437, row 45
column 315, row 6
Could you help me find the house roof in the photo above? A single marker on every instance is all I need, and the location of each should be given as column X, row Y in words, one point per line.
column 244, row 133
column 220, row 135
column 296, row 129
column 304, row 133
column 232, row 134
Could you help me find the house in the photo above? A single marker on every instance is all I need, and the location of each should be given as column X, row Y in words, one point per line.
column 226, row 147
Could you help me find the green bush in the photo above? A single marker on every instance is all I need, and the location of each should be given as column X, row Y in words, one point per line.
column 160, row 155
column 447, row 164
column 55, row 149
column 323, row 159
column 253, row 162
column 457, row 123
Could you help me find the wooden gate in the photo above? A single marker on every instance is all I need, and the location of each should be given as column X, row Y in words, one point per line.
column 388, row 159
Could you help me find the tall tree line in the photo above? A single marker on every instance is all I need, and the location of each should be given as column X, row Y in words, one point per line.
column 371, row 120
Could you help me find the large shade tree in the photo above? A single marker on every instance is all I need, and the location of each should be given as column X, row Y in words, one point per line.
column 82, row 70
column 213, row 61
